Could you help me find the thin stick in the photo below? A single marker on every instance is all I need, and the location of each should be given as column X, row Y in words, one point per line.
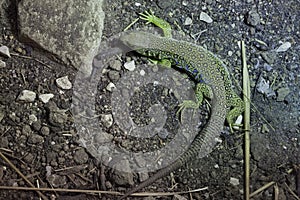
column 261, row 189
column 246, row 98
column 20, row 173
column 31, row 58
column 100, row 192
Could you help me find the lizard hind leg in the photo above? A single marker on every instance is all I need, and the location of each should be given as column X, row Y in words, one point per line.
column 202, row 90
column 238, row 107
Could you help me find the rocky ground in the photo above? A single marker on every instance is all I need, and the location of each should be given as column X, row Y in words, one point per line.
column 41, row 137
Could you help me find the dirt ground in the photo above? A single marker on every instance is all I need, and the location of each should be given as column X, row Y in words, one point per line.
column 51, row 142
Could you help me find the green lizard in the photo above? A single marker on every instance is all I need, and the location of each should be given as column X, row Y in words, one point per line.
column 210, row 74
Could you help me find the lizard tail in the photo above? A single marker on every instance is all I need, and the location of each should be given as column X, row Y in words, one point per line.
column 161, row 173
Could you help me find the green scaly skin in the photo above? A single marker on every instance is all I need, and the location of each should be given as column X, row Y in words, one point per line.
column 213, row 81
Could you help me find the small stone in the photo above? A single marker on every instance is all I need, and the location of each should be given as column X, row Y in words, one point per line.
column 284, row 47
column 4, row 51
column 130, row 66
column 36, row 125
column 188, row 21
column 116, row 65
column 263, row 87
column 234, row 181
column 107, row 120
column 27, row 96
column 185, row 3
column 253, row 18
column 2, row 64
column 205, row 17
column 45, row 130
column 122, row 173
column 64, row 83
column 35, row 139
column 81, row 156
column 110, row 86
column 32, row 118
column 45, row 97
column 56, row 180
column 282, row 93
column 26, row 130
column 114, row 75
column 58, row 117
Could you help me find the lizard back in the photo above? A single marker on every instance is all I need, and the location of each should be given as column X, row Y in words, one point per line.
column 201, row 63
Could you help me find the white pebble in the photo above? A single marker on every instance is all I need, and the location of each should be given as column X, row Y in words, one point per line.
column 64, row 83
column 284, row 47
column 205, row 17
column 110, row 87
column 234, row 181
column 4, row 51
column 45, row 97
column 2, row 64
column 137, row 4
column 142, row 72
column 188, row 21
column 130, row 66
column 27, row 95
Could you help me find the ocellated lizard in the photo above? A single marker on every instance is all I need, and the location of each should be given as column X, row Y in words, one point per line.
column 210, row 74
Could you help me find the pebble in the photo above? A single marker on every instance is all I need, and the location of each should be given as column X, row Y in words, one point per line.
column 45, row 130
column 58, row 117
column 282, row 93
column 4, row 51
column 32, row 118
column 81, row 156
column 27, row 96
column 253, row 18
column 116, row 65
column 188, row 21
column 45, row 97
column 205, row 17
column 234, row 181
column 263, row 87
column 35, row 139
column 122, row 174
column 107, row 120
column 64, row 83
column 284, row 47
column 57, row 180
column 110, row 87
column 114, row 75
column 130, row 66
column 2, row 64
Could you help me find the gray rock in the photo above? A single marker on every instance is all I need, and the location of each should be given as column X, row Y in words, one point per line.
column 45, row 97
column 282, row 93
column 253, row 18
column 26, row 130
column 2, row 64
column 45, row 130
column 130, row 65
column 69, row 29
column 64, row 83
column 122, row 174
column 35, row 139
column 81, row 156
column 56, row 180
column 57, row 117
column 4, row 51
column 107, row 120
column 27, row 95
column 116, row 65
column 284, row 47
column 205, row 17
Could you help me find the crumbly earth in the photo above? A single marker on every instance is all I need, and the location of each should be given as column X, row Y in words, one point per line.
column 52, row 142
